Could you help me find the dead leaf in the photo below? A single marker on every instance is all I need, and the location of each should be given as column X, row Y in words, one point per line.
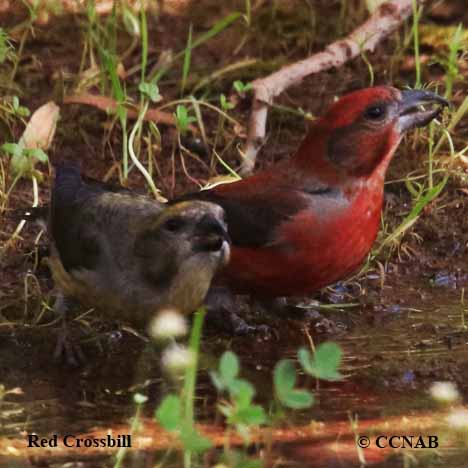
column 40, row 130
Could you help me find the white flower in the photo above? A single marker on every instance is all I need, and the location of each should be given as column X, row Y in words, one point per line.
column 177, row 358
column 458, row 419
column 139, row 399
column 444, row 392
column 168, row 324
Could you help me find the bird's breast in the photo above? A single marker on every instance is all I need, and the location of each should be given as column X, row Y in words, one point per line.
column 314, row 249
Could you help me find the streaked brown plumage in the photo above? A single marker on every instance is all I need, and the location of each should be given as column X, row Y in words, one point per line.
column 129, row 255
column 126, row 254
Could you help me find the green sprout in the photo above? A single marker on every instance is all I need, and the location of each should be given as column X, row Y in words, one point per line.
column 225, row 104
column 23, row 160
column 183, row 119
column 325, row 362
column 285, row 381
column 240, row 410
column 242, row 88
column 150, row 90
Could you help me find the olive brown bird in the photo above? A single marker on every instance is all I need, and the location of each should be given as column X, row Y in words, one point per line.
column 127, row 254
column 310, row 221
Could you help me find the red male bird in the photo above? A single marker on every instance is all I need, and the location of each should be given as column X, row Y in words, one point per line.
column 310, row 221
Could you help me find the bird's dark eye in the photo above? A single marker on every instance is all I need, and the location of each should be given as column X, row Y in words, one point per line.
column 174, row 224
column 375, row 112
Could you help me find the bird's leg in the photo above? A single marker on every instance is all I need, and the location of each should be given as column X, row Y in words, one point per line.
column 221, row 306
column 66, row 348
column 303, row 311
column 266, row 308
column 282, row 308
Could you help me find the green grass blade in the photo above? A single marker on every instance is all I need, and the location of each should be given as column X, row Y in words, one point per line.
column 187, row 60
column 413, row 215
column 144, row 44
column 217, row 28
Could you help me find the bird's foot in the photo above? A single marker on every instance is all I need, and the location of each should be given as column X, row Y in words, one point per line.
column 222, row 308
column 233, row 324
column 241, row 327
column 67, row 350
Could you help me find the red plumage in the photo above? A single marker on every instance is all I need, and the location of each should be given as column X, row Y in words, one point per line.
column 311, row 220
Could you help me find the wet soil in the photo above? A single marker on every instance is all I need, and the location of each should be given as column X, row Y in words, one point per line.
column 393, row 352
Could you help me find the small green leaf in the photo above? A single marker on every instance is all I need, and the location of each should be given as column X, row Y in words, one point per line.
column 193, row 441
column 325, row 362
column 15, row 102
column 285, row 380
column 23, row 111
column 169, row 413
column 20, row 165
column 181, row 112
column 241, row 87
column 36, row 153
column 253, row 415
column 305, row 358
column 217, row 381
column 150, row 90
column 284, row 377
column 14, row 149
column 242, row 392
column 225, row 104
column 298, row 399
column 228, row 367
column 183, row 119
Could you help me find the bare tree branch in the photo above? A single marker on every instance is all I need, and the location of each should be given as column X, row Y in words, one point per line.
column 106, row 103
column 365, row 38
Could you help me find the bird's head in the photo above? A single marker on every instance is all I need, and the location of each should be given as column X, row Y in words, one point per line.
column 361, row 131
column 190, row 236
column 198, row 224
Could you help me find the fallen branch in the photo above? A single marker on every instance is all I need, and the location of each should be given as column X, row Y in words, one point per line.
column 108, row 104
column 365, row 38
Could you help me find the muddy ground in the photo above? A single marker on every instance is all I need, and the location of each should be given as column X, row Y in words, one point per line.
column 405, row 327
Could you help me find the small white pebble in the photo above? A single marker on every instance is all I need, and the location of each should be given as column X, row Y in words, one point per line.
column 169, row 323
column 444, row 392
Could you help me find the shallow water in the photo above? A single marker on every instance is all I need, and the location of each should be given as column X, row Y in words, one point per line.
column 393, row 351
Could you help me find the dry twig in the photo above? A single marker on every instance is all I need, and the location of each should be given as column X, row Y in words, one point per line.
column 108, row 104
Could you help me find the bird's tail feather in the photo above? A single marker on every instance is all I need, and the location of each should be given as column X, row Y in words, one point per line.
column 67, row 184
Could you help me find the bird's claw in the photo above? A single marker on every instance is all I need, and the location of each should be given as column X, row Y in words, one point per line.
column 67, row 351
column 240, row 326
column 263, row 331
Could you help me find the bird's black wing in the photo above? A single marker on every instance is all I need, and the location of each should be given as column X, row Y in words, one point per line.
column 90, row 220
column 70, row 223
column 253, row 220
